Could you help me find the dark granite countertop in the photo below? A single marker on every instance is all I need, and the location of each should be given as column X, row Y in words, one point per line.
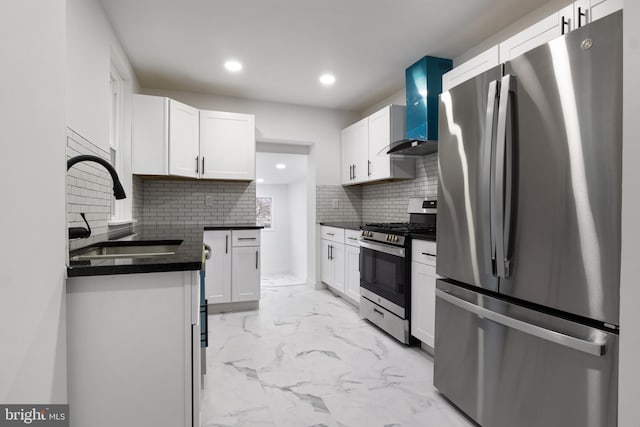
column 347, row 225
column 234, row 227
column 187, row 257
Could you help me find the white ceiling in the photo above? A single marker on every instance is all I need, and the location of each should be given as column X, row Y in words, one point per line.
column 286, row 44
column 296, row 168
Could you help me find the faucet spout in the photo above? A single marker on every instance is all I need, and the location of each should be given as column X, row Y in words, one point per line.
column 118, row 191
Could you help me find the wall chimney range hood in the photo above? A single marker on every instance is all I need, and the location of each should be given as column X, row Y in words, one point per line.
column 423, row 81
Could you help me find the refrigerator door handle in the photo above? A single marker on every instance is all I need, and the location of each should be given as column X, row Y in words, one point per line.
column 504, row 177
column 488, row 177
column 593, row 348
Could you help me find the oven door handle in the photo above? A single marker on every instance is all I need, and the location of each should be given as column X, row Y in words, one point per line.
column 387, row 249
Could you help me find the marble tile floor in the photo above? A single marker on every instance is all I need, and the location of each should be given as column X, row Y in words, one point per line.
column 305, row 358
column 281, row 279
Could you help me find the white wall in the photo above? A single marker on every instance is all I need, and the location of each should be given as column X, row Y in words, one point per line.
column 298, row 224
column 276, row 243
column 398, row 98
column 629, row 380
column 91, row 48
column 32, row 172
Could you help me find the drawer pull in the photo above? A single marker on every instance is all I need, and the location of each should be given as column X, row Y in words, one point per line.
column 427, row 254
column 330, row 234
column 247, row 238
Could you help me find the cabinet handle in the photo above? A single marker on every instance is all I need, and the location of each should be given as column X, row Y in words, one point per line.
column 565, row 23
column 369, row 168
column 246, row 238
column 581, row 13
column 332, row 252
column 203, row 165
column 256, row 260
column 352, row 238
column 330, row 234
column 226, row 244
column 354, row 171
column 328, row 252
column 198, row 165
column 427, row 254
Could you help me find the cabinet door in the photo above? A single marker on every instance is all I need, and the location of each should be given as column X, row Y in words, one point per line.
column 327, row 265
column 361, row 151
column 423, row 302
column 471, row 68
column 183, row 140
column 587, row 11
column 150, row 135
column 338, row 261
column 379, row 140
column 534, row 36
column 217, row 280
column 245, row 274
column 227, row 145
column 348, row 143
column 353, row 272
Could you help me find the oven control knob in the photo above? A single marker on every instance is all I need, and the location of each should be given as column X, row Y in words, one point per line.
column 396, row 238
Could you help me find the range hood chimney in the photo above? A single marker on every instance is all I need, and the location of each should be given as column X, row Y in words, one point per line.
column 423, row 81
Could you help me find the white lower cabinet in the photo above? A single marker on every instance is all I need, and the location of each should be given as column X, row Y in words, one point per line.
column 245, row 273
column 133, row 344
column 218, row 267
column 233, row 269
column 423, row 291
column 333, row 265
column 332, row 256
column 352, row 265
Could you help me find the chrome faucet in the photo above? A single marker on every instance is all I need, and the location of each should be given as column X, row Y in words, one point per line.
column 118, row 191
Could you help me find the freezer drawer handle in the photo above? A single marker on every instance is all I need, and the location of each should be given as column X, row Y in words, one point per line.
column 595, row 349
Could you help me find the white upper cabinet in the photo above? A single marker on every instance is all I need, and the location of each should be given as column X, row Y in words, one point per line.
column 364, row 147
column 534, row 36
column 227, row 145
column 587, row 11
column 184, row 140
column 467, row 70
column 164, row 137
column 171, row 138
column 348, row 149
column 567, row 19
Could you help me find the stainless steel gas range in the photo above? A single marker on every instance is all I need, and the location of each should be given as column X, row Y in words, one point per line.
column 385, row 268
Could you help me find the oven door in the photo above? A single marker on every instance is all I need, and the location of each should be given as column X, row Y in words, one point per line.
column 383, row 271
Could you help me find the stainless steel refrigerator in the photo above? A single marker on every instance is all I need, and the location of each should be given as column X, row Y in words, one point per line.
column 527, row 312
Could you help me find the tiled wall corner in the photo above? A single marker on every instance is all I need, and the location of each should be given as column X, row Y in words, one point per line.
column 387, row 202
column 137, row 201
column 349, row 201
column 196, row 202
column 89, row 187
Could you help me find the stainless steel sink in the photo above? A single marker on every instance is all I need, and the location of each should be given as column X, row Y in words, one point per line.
column 127, row 249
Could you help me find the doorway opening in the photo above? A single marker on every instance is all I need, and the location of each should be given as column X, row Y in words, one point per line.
column 281, row 207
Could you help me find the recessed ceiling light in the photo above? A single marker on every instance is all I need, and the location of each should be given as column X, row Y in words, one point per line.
column 233, row 66
column 259, row 180
column 281, row 166
column 327, row 79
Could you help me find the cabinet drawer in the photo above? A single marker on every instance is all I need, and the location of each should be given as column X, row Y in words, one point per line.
column 351, row 237
column 423, row 251
column 332, row 233
column 245, row 238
